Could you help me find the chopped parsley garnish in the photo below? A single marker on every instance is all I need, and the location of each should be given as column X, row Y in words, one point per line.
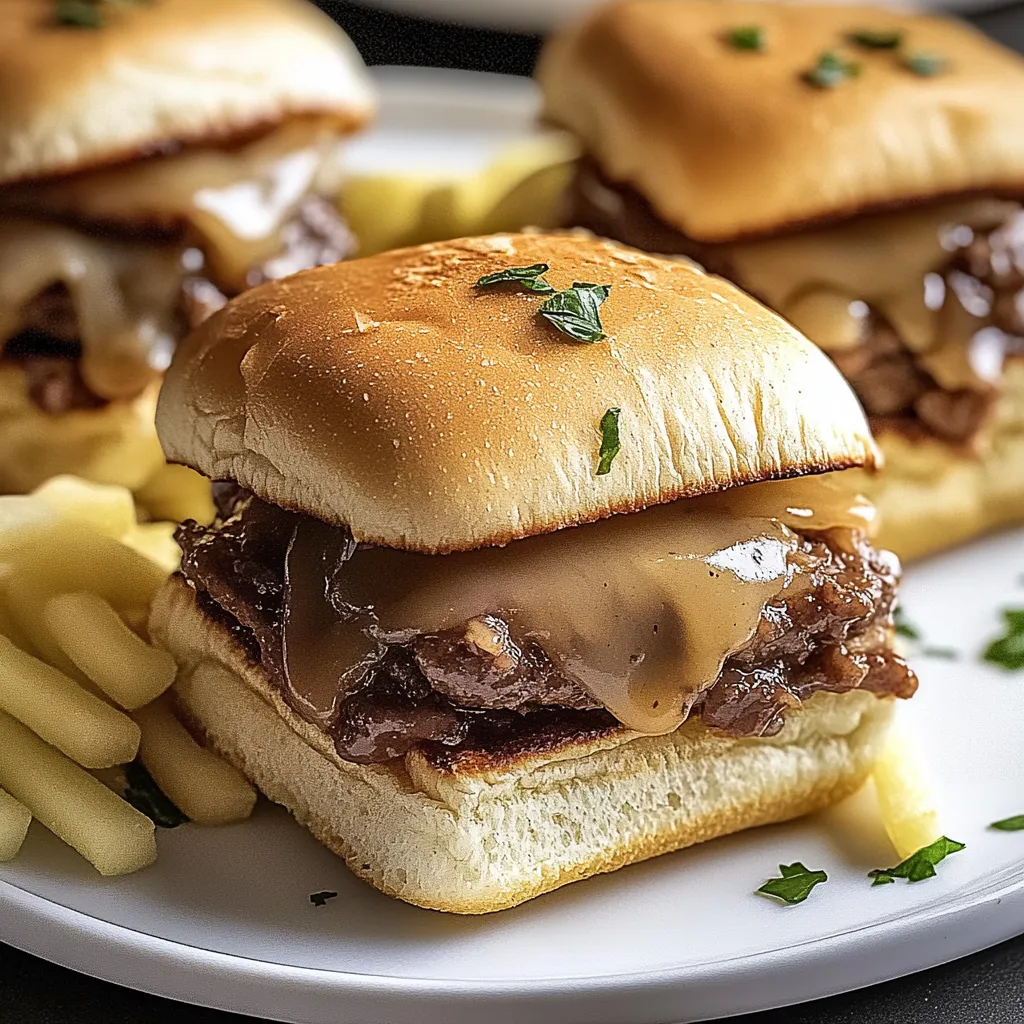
column 531, row 278
column 904, row 628
column 1008, row 650
column 1014, row 824
column 86, row 13
column 576, row 311
column 874, row 39
column 918, row 866
column 747, row 37
column 319, row 899
column 945, row 653
column 830, row 71
column 926, row 65
column 795, row 885
column 610, row 443
column 78, row 13
column 142, row 792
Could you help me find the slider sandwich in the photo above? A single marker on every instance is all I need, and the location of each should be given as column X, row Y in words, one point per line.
column 536, row 557
column 861, row 172
column 156, row 156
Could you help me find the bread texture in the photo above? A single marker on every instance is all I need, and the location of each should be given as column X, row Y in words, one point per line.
column 115, row 444
column 933, row 496
column 728, row 143
column 480, row 838
column 391, row 395
column 161, row 73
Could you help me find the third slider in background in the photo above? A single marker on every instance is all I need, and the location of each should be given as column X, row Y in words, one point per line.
column 858, row 170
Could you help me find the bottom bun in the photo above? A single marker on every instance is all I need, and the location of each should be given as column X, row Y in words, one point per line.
column 930, row 497
column 476, row 840
column 114, row 444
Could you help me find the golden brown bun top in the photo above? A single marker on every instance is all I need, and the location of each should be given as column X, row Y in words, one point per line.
column 726, row 142
column 165, row 71
column 390, row 394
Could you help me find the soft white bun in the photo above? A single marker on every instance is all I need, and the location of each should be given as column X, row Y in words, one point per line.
column 391, row 395
column 472, row 841
column 726, row 142
column 932, row 496
column 165, row 72
column 115, row 444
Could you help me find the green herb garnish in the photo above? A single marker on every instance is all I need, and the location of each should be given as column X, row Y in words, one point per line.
column 1014, row 824
column 319, row 899
column 747, row 37
column 576, row 311
column 904, row 628
column 142, row 792
column 78, row 13
column 795, row 885
column 610, row 443
column 926, row 65
column 918, row 866
column 530, row 278
column 1008, row 650
column 873, row 39
column 830, row 71
column 945, row 653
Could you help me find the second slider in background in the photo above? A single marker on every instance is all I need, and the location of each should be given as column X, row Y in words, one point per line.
column 859, row 171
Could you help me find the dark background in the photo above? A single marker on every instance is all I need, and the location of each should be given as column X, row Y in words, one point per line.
column 987, row 988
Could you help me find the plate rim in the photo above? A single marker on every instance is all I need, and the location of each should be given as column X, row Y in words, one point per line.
column 970, row 921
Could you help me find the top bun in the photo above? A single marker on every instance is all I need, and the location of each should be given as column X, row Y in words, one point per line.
column 165, row 72
column 726, row 142
column 390, row 394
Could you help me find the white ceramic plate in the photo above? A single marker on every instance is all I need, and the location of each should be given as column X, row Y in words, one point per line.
column 544, row 15
column 224, row 919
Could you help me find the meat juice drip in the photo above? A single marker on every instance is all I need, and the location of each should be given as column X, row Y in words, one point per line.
column 642, row 609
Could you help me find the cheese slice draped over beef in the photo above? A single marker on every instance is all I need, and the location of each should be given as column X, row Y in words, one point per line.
column 827, row 280
column 641, row 610
column 125, row 286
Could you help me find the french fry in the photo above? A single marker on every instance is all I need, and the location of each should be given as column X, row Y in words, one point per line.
column 156, row 541
column 15, row 819
column 114, row 837
column 203, row 786
column 906, row 799
column 23, row 520
column 57, row 709
column 177, row 493
column 105, row 508
column 77, row 560
column 9, row 626
column 93, row 636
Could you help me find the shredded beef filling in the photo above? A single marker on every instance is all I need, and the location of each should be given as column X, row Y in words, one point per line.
column 47, row 346
column 830, row 634
column 891, row 384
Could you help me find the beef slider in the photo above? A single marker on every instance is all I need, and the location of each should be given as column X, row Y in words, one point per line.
column 869, row 194
column 133, row 203
column 430, row 611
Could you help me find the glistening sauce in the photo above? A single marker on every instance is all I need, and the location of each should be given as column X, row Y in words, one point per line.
column 126, row 294
column 642, row 610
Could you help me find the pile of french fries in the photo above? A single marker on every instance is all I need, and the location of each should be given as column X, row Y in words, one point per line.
column 82, row 691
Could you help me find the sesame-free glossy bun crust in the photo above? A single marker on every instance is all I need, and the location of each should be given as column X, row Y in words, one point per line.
column 165, row 72
column 390, row 394
column 726, row 143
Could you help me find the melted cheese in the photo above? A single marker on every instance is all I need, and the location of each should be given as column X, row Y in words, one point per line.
column 236, row 199
column 642, row 610
column 126, row 294
column 824, row 280
column 125, row 298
